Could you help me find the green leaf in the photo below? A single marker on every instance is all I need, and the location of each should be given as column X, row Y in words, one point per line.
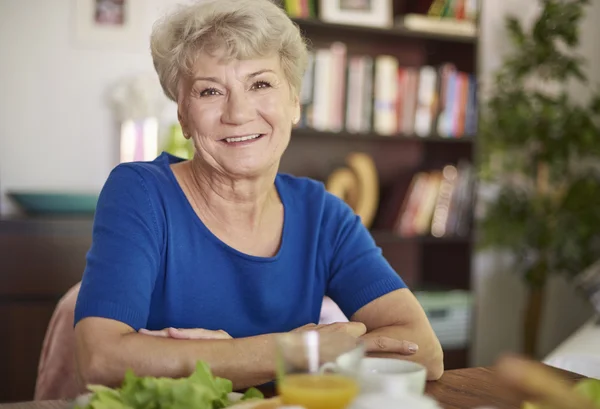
column 516, row 31
column 253, row 393
column 590, row 388
column 200, row 390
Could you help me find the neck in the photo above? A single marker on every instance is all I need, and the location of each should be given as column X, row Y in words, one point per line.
column 232, row 202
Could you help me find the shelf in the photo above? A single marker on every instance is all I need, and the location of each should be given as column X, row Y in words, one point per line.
column 394, row 32
column 343, row 135
column 383, row 236
column 63, row 225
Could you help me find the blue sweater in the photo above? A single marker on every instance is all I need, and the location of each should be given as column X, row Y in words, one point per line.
column 154, row 264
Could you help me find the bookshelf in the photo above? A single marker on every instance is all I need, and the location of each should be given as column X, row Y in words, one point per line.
column 314, row 26
column 371, row 136
column 317, row 148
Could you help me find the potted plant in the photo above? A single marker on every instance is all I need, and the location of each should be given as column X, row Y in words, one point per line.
column 540, row 148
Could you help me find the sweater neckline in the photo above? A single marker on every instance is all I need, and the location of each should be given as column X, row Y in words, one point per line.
column 167, row 159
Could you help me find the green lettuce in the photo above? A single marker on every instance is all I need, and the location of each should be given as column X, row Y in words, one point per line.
column 590, row 388
column 201, row 390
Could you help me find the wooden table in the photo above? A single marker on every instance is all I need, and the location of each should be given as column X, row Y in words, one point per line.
column 478, row 387
column 468, row 388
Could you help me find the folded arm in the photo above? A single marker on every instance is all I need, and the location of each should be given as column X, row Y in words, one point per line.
column 369, row 290
column 107, row 348
column 399, row 316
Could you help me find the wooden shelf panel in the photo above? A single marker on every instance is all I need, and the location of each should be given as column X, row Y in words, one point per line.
column 456, row 358
column 344, row 136
column 399, row 32
column 429, row 263
column 383, row 236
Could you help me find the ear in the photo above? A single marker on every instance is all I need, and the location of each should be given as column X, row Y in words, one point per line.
column 183, row 124
column 182, row 85
column 297, row 111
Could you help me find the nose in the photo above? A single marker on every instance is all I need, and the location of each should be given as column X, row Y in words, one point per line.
column 239, row 109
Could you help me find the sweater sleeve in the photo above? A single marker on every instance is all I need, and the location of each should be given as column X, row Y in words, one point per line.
column 358, row 271
column 124, row 258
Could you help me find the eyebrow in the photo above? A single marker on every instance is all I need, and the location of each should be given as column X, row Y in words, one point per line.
column 249, row 76
column 257, row 73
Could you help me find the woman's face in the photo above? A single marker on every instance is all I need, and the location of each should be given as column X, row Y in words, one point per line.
column 239, row 113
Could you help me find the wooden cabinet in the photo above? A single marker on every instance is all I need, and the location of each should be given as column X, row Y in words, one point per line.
column 39, row 261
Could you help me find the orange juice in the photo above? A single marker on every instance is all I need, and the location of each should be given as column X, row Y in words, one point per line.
column 329, row 391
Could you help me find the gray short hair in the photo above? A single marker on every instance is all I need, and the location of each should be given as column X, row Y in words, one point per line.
column 243, row 28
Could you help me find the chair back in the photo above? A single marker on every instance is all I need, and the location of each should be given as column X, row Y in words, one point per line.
column 57, row 370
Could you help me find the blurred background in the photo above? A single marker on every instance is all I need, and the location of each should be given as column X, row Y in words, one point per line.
column 414, row 112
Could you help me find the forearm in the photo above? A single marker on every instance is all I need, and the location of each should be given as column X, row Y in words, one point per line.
column 245, row 361
column 429, row 351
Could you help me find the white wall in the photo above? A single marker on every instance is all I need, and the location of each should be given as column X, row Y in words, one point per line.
column 56, row 129
column 500, row 292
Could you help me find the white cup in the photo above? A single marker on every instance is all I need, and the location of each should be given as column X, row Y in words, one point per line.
column 384, row 375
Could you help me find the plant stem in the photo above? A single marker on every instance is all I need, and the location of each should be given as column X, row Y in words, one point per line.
column 536, row 284
column 543, row 178
column 533, row 315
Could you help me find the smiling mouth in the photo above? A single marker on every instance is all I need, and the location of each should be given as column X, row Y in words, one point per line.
column 242, row 138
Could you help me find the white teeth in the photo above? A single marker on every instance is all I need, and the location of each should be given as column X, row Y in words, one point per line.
column 242, row 138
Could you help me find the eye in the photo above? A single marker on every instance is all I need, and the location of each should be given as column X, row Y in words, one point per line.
column 209, row 92
column 261, row 85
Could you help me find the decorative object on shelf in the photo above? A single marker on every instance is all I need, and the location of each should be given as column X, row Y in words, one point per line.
column 375, row 13
column 55, row 203
column 452, row 17
column 342, row 183
column 300, row 8
column 139, row 140
column 540, row 149
column 138, row 102
column 177, row 145
column 109, row 24
column 358, row 185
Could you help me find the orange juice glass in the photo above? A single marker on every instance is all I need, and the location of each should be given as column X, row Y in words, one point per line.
column 307, row 369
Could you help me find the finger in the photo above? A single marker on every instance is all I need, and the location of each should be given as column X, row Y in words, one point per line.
column 386, row 344
column 356, row 329
column 156, row 333
column 224, row 334
column 197, row 333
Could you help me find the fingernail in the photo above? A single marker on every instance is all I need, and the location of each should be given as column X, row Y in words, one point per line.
column 143, row 330
column 413, row 347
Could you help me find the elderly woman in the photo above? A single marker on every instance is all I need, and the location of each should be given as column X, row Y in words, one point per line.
column 223, row 247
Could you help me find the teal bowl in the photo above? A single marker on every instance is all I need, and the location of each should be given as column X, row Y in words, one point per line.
column 64, row 204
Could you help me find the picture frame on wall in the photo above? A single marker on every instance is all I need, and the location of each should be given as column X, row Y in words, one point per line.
column 371, row 13
column 109, row 24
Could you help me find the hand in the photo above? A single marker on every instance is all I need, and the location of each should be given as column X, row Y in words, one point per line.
column 355, row 329
column 372, row 342
column 187, row 333
column 379, row 343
